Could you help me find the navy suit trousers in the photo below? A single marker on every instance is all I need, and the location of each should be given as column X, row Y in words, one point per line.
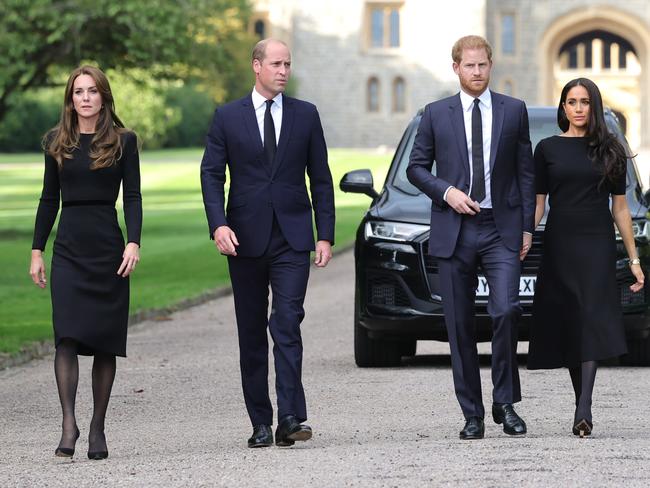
column 479, row 244
column 287, row 273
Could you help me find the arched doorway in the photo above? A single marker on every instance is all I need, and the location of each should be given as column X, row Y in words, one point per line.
column 611, row 48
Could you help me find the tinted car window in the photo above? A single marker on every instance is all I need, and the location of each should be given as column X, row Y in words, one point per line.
column 543, row 124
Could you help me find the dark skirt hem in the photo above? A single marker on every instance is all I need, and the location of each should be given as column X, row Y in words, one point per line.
column 84, row 349
column 574, row 365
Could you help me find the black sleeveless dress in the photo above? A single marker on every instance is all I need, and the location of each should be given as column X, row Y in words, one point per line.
column 576, row 312
column 90, row 301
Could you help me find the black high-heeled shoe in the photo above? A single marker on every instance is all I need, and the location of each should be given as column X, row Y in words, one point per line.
column 66, row 451
column 583, row 428
column 98, row 455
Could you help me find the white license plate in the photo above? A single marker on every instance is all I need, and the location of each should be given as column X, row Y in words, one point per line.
column 526, row 286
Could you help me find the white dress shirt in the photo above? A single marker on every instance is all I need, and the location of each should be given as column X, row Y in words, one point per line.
column 259, row 104
column 485, row 106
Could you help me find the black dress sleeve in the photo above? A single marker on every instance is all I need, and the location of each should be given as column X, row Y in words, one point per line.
column 48, row 206
column 618, row 186
column 131, row 196
column 541, row 181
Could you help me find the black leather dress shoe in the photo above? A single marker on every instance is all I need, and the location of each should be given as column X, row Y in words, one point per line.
column 474, row 429
column 504, row 413
column 262, row 436
column 290, row 430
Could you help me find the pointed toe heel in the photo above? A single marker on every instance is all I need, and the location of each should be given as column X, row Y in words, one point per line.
column 66, row 452
column 97, row 455
column 582, row 428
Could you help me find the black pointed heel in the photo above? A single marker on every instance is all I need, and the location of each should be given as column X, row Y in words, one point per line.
column 67, row 452
column 97, row 455
column 582, row 428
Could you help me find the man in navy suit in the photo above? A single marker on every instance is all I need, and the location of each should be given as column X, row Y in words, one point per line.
column 482, row 213
column 268, row 140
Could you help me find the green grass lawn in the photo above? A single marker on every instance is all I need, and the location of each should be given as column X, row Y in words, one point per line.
column 178, row 259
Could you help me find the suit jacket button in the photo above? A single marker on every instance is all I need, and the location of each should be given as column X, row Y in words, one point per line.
column 270, row 203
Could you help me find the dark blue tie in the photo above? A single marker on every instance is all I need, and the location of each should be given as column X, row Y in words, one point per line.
column 269, row 134
column 478, row 171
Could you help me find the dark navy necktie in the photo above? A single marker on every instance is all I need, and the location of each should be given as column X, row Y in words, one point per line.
column 478, row 171
column 269, row 134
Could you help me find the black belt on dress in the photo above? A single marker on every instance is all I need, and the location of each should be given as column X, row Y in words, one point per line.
column 84, row 203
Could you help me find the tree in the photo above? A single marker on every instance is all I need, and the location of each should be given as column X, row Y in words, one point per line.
column 189, row 39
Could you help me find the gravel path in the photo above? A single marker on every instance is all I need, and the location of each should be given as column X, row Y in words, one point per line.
column 177, row 416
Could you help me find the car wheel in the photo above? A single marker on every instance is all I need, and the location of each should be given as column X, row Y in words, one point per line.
column 373, row 353
column 638, row 353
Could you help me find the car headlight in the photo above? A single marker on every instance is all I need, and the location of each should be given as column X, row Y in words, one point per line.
column 394, row 231
column 640, row 229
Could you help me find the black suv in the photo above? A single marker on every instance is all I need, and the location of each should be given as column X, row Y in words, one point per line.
column 397, row 298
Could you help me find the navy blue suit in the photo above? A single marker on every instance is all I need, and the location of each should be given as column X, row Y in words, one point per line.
column 491, row 240
column 270, row 212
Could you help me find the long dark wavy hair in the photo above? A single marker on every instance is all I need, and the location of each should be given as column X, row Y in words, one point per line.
column 605, row 150
column 63, row 139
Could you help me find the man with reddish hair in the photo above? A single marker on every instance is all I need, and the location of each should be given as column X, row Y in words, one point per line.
column 482, row 213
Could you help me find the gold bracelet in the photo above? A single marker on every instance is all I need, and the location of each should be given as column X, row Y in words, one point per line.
column 635, row 261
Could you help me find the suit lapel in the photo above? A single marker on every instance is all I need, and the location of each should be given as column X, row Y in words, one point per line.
column 458, row 125
column 288, row 115
column 497, row 125
column 250, row 122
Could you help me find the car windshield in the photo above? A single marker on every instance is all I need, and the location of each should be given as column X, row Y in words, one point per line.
column 543, row 123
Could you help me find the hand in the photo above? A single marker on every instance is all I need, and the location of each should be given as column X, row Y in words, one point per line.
column 37, row 269
column 323, row 253
column 226, row 240
column 638, row 274
column 525, row 246
column 130, row 258
column 461, row 202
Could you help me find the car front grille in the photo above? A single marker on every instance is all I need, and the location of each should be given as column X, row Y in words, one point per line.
column 386, row 290
column 629, row 299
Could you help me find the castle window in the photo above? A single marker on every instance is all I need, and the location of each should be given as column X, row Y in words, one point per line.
column 399, row 95
column 383, row 24
column 260, row 29
column 508, row 34
column 372, row 102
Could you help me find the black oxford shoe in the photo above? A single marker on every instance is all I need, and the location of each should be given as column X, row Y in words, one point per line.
column 262, row 436
column 474, row 429
column 504, row 413
column 290, row 430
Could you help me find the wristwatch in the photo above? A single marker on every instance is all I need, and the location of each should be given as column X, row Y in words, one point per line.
column 635, row 261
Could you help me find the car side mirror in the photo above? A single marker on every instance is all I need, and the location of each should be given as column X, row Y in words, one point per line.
column 358, row 181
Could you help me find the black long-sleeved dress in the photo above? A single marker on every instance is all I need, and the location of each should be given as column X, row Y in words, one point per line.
column 577, row 309
column 90, row 301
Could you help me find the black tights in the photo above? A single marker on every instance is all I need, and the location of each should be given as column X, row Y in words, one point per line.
column 66, row 370
column 583, row 378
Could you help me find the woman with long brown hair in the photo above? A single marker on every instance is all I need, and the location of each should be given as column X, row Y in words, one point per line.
column 88, row 155
column 577, row 318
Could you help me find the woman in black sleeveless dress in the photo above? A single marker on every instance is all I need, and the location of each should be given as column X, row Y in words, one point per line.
column 87, row 156
column 577, row 318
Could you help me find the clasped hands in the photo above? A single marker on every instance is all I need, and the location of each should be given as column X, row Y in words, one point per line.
column 463, row 204
column 226, row 241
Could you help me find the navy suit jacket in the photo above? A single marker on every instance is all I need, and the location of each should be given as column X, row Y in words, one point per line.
column 441, row 137
column 259, row 188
